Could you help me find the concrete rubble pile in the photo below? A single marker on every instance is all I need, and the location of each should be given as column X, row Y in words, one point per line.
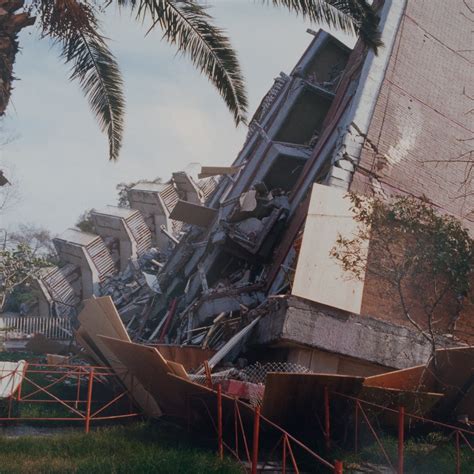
column 235, row 261
column 132, row 292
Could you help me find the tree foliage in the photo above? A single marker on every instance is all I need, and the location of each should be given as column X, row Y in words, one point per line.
column 17, row 267
column 85, row 222
column 38, row 239
column 74, row 26
column 427, row 259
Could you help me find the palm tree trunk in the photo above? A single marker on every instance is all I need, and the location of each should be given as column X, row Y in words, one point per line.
column 11, row 23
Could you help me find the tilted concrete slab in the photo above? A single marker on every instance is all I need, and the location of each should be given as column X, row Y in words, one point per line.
column 302, row 322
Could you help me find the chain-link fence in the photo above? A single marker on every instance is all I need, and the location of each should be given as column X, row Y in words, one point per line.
column 254, row 375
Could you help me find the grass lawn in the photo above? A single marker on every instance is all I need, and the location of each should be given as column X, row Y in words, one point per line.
column 432, row 454
column 144, row 447
column 137, row 448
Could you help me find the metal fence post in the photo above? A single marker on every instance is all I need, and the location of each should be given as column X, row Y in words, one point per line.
column 236, row 428
column 327, row 421
column 458, row 455
column 401, row 438
column 219, row 422
column 188, row 413
column 89, row 399
column 256, row 434
column 20, row 387
column 207, row 371
column 356, row 427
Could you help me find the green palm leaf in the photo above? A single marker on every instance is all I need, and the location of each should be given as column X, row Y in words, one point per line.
column 74, row 27
column 347, row 15
column 187, row 25
column 98, row 73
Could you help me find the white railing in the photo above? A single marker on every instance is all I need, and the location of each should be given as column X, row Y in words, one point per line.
column 22, row 327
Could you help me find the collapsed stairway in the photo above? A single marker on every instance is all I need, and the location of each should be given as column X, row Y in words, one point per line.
column 122, row 237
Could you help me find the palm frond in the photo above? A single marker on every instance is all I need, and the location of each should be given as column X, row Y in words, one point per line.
column 355, row 16
column 189, row 27
column 74, row 27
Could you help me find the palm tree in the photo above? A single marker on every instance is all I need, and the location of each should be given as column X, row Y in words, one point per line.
column 74, row 26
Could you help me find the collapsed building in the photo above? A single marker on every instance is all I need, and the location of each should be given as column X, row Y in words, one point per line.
column 237, row 259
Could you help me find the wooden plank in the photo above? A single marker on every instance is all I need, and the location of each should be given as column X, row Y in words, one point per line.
column 108, row 307
column 94, row 323
column 193, row 213
column 177, row 369
column 56, row 359
column 415, row 402
column 290, row 396
column 150, row 369
column 176, row 396
column 405, row 379
column 453, row 376
column 85, row 342
column 319, row 277
column 191, row 357
column 200, row 397
column 455, row 367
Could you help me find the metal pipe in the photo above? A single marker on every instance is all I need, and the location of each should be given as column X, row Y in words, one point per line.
column 169, row 235
column 208, row 374
column 409, row 415
column 89, row 399
column 338, row 469
column 25, row 368
column 327, row 421
column 458, row 455
column 219, row 422
column 236, row 430
column 401, row 438
column 256, row 434
column 356, row 428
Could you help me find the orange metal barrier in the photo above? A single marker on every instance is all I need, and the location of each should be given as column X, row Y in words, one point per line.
column 38, row 383
column 398, row 466
column 286, row 442
column 39, row 380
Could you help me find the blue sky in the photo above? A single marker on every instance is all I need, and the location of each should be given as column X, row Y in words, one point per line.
column 58, row 157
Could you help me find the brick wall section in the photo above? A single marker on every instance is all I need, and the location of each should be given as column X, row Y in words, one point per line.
column 424, row 112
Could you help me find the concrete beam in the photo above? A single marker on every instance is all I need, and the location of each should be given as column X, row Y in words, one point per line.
column 315, row 326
